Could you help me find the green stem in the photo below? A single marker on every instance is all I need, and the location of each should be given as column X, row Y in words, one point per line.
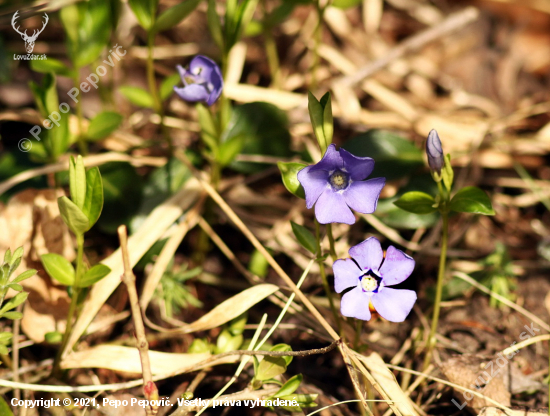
column 83, row 148
column 439, row 289
column 74, row 303
column 331, row 242
column 324, row 276
column 317, row 42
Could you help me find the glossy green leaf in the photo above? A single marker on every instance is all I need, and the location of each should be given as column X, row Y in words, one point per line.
column 473, row 200
column 103, row 124
column 93, row 204
column 289, row 174
column 51, row 65
column 174, row 15
column 328, row 121
column 13, row 303
column 73, row 216
column 304, row 237
column 271, row 367
column 59, row 268
column 416, row 202
column 214, row 24
column 167, row 86
column 137, row 96
column 145, row 11
column 122, row 193
column 266, row 130
column 95, row 274
column 290, row 386
column 394, row 156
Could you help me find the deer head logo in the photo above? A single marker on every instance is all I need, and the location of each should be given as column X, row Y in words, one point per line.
column 29, row 40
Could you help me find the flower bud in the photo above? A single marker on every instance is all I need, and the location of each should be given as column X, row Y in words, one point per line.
column 434, row 151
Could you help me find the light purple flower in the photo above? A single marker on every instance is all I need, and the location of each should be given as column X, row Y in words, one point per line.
column 434, row 152
column 202, row 82
column 370, row 272
column 336, row 184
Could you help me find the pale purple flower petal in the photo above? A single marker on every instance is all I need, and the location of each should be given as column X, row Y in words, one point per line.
column 355, row 304
column 397, row 266
column 363, row 196
column 331, row 207
column 192, row 93
column 393, row 304
column 314, row 183
column 368, row 254
column 346, row 274
column 434, row 151
column 358, row 167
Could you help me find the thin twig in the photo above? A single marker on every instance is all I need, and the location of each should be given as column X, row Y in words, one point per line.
column 454, row 22
column 129, row 279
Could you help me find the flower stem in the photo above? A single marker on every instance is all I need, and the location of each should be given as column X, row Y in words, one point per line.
column 357, row 340
column 317, row 42
column 439, row 288
column 331, row 242
column 82, row 147
column 74, row 303
column 324, row 276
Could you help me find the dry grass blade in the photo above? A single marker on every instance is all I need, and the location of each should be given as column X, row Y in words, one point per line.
column 231, row 308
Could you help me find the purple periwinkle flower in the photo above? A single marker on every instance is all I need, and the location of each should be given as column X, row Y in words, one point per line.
column 202, row 82
column 436, row 160
column 370, row 273
column 336, row 184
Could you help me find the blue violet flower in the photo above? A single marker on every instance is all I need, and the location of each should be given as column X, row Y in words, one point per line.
column 335, row 184
column 202, row 82
column 369, row 273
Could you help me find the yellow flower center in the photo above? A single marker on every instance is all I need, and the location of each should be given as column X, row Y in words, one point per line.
column 339, row 180
column 369, row 283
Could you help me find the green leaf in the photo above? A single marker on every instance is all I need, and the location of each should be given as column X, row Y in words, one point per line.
column 271, row 367
column 304, row 400
column 14, row 302
column 59, row 268
column 4, row 338
column 209, row 132
column 51, row 65
column 229, row 149
column 5, row 351
column 214, row 24
column 7, row 256
column 473, row 200
column 266, row 130
column 416, row 202
column 145, row 11
column 290, row 386
column 304, row 237
column 227, row 342
column 289, row 174
column 447, row 173
column 73, row 216
column 16, row 287
column 236, row 326
column 77, row 181
column 13, row 315
column 54, row 337
column 93, row 204
column 174, row 15
column 316, row 114
column 4, row 407
column 137, row 96
column 236, row 25
column 345, row 4
column 328, row 122
column 395, row 156
column 17, row 255
column 167, row 86
column 95, row 274
column 103, row 124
